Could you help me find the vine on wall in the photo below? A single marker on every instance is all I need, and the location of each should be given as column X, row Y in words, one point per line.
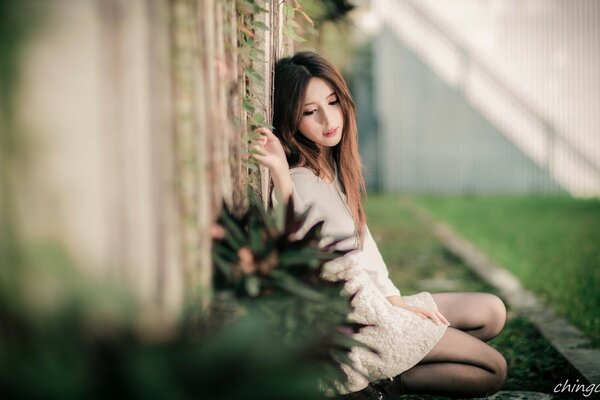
column 219, row 100
column 267, row 30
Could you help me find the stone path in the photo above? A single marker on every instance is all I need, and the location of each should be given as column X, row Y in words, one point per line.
column 519, row 395
column 565, row 337
column 501, row 395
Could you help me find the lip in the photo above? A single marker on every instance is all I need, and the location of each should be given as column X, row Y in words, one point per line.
column 331, row 132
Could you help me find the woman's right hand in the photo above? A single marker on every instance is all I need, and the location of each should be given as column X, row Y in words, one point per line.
column 424, row 313
column 273, row 157
column 273, row 154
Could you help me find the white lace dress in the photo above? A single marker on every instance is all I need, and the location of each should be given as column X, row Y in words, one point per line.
column 401, row 337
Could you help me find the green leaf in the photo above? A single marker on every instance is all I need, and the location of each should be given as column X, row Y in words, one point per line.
column 258, row 59
column 289, row 31
column 255, row 76
column 304, row 256
column 223, row 266
column 294, row 24
column 295, row 286
column 309, row 19
column 259, row 9
column 248, row 106
column 233, row 229
column 260, row 25
column 257, row 55
column 259, row 118
column 225, row 254
column 255, row 242
column 246, row 41
column 250, row 3
column 253, row 135
column 289, row 10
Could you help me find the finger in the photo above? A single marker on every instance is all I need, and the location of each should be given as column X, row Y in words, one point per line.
column 266, row 132
column 425, row 313
column 257, row 156
column 262, row 139
column 419, row 311
column 256, row 153
column 444, row 319
column 256, row 149
column 434, row 317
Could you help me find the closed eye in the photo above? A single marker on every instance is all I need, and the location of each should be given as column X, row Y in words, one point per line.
column 308, row 113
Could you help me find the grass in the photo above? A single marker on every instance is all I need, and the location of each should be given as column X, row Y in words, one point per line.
column 552, row 244
column 418, row 262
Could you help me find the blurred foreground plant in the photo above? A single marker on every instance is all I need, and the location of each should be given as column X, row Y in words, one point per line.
column 274, row 273
column 287, row 333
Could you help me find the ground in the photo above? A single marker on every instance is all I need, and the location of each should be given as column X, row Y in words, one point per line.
column 418, row 262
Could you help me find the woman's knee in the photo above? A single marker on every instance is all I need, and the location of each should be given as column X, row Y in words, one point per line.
column 498, row 374
column 496, row 371
column 496, row 316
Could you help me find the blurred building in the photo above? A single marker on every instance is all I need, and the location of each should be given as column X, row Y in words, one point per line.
column 476, row 96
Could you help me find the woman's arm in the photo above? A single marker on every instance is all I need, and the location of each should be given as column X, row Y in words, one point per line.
column 273, row 157
column 396, row 300
column 283, row 185
column 375, row 266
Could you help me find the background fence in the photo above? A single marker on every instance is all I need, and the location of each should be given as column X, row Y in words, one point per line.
column 488, row 97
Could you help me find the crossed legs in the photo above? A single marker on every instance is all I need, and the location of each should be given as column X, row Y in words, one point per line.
column 461, row 364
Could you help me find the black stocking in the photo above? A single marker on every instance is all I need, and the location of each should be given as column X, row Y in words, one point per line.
column 458, row 366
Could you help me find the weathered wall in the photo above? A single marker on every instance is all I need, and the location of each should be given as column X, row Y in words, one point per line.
column 135, row 133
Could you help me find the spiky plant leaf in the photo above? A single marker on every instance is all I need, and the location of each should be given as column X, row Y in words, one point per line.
column 275, row 271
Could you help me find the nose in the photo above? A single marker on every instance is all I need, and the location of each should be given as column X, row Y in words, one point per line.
column 326, row 117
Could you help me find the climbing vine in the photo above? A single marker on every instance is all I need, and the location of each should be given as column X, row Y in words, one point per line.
column 257, row 78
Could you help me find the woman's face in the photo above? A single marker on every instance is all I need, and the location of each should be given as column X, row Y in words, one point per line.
column 322, row 120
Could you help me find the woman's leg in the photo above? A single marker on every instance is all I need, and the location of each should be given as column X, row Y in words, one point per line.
column 479, row 314
column 459, row 365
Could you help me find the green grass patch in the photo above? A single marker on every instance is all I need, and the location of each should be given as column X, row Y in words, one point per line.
column 551, row 243
column 418, row 262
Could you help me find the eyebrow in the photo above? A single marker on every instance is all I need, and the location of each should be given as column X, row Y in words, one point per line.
column 312, row 102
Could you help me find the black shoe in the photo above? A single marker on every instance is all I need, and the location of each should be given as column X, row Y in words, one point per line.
column 391, row 388
column 368, row 393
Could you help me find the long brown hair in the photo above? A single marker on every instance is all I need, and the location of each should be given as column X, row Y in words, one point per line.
column 292, row 75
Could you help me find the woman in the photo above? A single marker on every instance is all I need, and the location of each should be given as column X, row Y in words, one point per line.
column 428, row 343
